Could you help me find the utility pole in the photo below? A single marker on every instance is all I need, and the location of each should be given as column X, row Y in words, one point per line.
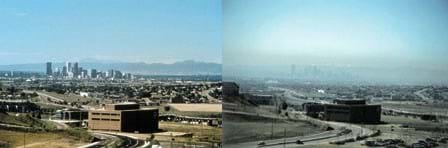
column 80, row 125
column 172, row 139
column 272, row 129
column 284, row 138
column 24, row 143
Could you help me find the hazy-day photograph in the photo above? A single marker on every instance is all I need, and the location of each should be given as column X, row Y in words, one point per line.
column 113, row 73
column 311, row 73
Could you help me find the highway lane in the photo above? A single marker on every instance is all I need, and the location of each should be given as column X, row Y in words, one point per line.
column 423, row 97
column 52, row 99
column 44, row 95
column 109, row 138
column 325, row 137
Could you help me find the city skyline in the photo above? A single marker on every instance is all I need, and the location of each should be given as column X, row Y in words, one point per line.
column 141, row 31
column 72, row 70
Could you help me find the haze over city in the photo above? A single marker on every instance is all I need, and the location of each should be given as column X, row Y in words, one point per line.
column 386, row 41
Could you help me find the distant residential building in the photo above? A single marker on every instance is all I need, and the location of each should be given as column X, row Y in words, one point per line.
column 49, row 69
column 230, row 89
column 178, row 99
column 84, row 94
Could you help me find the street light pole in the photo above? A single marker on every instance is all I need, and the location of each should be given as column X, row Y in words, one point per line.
column 284, row 138
column 24, row 143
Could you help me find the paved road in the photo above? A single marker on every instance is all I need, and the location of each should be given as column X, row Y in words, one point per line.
column 14, row 126
column 423, row 97
column 109, row 138
column 52, row 99
column 325, row 137
column 212, row 99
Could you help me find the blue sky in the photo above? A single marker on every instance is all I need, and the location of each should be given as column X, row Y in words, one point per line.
column 395, row 33
column 149, row 31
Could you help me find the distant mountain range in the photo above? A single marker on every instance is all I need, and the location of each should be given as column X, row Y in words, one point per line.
column 189, row 67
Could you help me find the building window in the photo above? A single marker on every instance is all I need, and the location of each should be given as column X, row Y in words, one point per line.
column 95, row 118
column 95, row 113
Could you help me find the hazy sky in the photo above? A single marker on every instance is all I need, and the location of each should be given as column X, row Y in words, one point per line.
column 133, row 31
column 403, row 33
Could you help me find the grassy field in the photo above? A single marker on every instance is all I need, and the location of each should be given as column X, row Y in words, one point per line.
column 24, row 120
column 241, row 128
column 39, row 139
column 40, row 134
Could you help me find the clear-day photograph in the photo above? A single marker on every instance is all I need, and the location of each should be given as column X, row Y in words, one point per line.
column 223, row 74
column 90, row 74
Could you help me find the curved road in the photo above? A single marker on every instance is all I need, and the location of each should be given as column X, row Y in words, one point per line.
column 324, row 137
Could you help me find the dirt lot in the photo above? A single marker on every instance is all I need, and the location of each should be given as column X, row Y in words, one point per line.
column 418, row 107
column 200, row 132
column 409, row 129
column 241, row 128
column 197, row 107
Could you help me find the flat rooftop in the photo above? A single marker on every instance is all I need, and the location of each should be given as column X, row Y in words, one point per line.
column 197, row 107
column 105, row 110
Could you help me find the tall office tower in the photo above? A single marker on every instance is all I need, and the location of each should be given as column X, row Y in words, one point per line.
column 80, row 71
column 49, row 69
column 84, row 73
column 76, row 71
column 64, row 71
column 110, row 73
column 117, row 74
column 93, row 73
column 69, row 67
column 129, row 76
column 57, row 72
